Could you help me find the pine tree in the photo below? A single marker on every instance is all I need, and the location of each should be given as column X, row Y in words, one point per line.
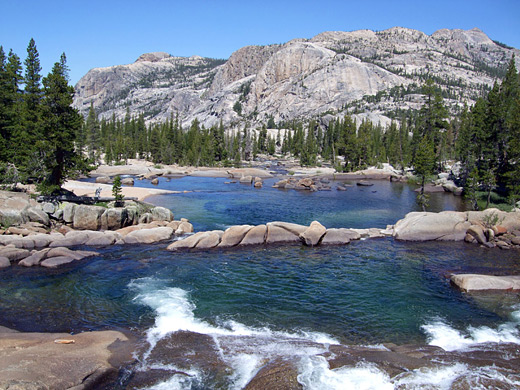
column 11, row 125
column 29, row 139
column 91, row 137
column 60, row 125
column 424, row 164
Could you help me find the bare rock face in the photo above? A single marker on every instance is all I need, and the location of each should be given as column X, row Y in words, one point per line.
column 61, row 360
column 299, row 79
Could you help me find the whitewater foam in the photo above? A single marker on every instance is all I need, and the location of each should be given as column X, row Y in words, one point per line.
column 247, row 348
column 440, row 334
column 315, row 374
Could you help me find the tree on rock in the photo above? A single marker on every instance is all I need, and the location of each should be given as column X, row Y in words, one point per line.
column 61, row 122
column 424, row 165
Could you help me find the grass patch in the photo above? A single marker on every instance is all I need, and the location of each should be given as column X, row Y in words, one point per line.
column 496, row 201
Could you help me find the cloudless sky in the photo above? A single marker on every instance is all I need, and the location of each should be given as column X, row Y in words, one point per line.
column 95, row 33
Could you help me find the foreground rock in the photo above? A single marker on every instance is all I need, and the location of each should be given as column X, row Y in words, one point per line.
column 475, row 282
column 60, row 360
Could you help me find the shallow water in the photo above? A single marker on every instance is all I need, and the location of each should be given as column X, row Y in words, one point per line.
column 367, row 293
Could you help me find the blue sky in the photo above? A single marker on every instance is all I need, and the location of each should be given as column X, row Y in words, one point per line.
column 98, row 33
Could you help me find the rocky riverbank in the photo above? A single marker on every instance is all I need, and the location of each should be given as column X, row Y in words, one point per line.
column 88, row 360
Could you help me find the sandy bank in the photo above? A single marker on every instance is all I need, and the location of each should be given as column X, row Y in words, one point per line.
column 81, row 188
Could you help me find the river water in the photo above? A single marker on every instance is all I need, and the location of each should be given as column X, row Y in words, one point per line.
column 292, row 301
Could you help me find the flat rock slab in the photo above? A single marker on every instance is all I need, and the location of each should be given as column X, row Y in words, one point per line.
column 476, row 282
column 426, row 226
column 40, row 361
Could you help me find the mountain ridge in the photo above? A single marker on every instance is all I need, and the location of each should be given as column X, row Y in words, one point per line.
column 363, row 72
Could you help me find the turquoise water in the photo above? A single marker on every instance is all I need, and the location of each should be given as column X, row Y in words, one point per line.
column 369, row 292
column 216, row 205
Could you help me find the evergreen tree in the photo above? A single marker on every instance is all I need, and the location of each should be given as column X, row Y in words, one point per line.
column 11, row 123
column 423, row 167
column 29, row 138
column 60, row 125
column 91, row 136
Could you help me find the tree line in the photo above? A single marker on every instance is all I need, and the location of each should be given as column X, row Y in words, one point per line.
column 38, row 125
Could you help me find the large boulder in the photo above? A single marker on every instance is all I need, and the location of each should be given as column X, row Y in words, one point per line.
column 426, row 226
column 114, row 218
column 72, row 238
column 211, row 240
column 4, row 262
column 56, row 261
column 88, row 217
column 17, row 241
column 313, row 234
column 14, row 254
column 255, row 236
column 234, row 235
column 183, row 227
column 246, row 179
column 149, row 236
column 36, row 214
column 103, row 179
column 475, row 282
column 188, row 242
column 339, row 236
column 291, row 227
column 44, row 240
column 68, row 212
column 477, row 232
column 13, row 206
column 161, row 214
column 279, row 234
column 35, row 258
column 103, row 239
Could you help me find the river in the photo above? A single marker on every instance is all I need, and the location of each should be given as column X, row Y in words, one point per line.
column 260, row 304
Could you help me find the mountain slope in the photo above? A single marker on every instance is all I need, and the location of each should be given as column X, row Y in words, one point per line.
column 334, row 73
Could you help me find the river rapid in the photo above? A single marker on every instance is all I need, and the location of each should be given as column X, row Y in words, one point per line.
column 328, row 317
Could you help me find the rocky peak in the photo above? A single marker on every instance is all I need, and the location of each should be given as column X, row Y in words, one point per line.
column 332, row 74
column 153, row 57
